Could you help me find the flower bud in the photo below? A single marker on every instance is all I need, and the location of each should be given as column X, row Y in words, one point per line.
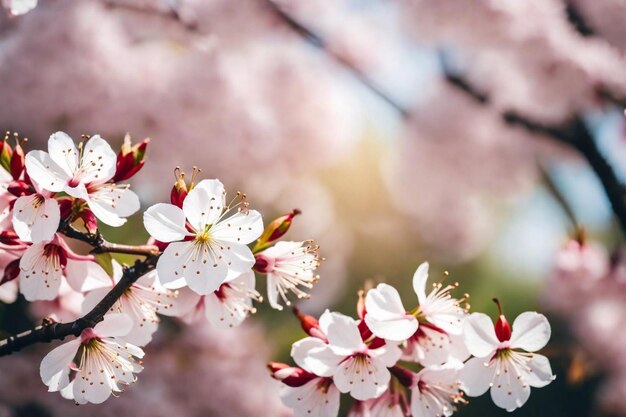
column 404, row 376
column 180, row 189
column 275, row 230
column 90, row 220
column 17, row 162
column 5, row 153
column 502, row 327
column 19, row 188
column 289, row 375
column 11, row 271
column 130, row 159
column 309, row 324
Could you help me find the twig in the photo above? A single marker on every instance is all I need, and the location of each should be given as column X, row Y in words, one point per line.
column 317, row 41
column 560, row 198
column 100, row 245
column 51, row 330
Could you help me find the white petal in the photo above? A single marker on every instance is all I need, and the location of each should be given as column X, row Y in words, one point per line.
column 45, row 172
column 114, row 325
column 311, row 400
column 272, row 292
column 184, row 302
column 170, row 264
column 539, row 371
column 56, row 362
column 204, row 204
column 98, row 161
column 419, row 281
column 531, row 331
column 40, row 278
column 63, row 152
column 508, row 391
column 86, row 275
column 386, row 316
column 35, row 218
column 93, row 298
column 363, row 378
column 165, row 222
column 111, row 204
column 343, row 334
column 238, row 258
column 476, row 376
column 389, row 354
column 315, row 356
column 242, row 228
column 480, row 336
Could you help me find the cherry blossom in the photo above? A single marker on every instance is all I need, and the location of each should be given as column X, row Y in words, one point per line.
column 44, row 265
column 289, row 266
column 388, row 319
column 305, row 392
column 207, row 247
column 357, row 366
column 83, row 173
column 106, row 363
column 36, row 217
column 503, row 360
column 140, row 302
column 430, row 345
column 227, row 307
column 435, row 392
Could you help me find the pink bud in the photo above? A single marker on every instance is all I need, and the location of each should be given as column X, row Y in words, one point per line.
column 11, row 271
column 289, row 375
column 502, row 327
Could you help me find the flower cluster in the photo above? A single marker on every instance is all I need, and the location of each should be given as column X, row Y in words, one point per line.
column 436, row 350
column 198, row 264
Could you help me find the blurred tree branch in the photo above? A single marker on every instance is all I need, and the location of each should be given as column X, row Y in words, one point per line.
column 51, row 330
column 574, row 134
column 316, row 40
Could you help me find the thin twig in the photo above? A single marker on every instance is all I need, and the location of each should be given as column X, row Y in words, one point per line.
column 51, row 330
column 559, row 197
column 316, row 40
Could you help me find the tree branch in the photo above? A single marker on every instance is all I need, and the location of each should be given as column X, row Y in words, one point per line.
column 100, row 245
column 574, row 134
column 51, row 330
column 317, row 41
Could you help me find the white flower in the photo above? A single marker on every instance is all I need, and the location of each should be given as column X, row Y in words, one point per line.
column 500, row 365
column 430, row 346
column 318, row 397
column 83, row 173
column 106, row 363
column 36, row 217
column 44, row 265
column 289, row 266
column 19, row 7
column 141, row 302
column 207, row 247
column 357, row 367
column 387, row 405
column 435, row 392
column 387, row 318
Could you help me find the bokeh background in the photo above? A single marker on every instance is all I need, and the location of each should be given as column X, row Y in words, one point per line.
column 405, row 130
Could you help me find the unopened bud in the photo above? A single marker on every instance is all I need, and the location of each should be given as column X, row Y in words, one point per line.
column 404, row 376
column 130, row 159
column 11, row 271
column 289, row 375
column 502, row 327
column 17, row 162
column 310, row 325
column 275, row 230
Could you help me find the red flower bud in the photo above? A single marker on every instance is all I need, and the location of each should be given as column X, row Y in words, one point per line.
column 275, row 230
column 90, row 220
column 17, row 162
column 309, row 324
column 290, row 375
column 11, row 271
column 502, row 327
column 404, row 376
column 10, row 238
column 19, row 188
column 130, row 159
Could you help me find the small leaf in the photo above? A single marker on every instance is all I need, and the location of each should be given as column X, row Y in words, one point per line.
column 105, row 260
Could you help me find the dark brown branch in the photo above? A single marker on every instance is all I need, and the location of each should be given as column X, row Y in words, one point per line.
column 574, row 134
column 317, row 41
column 100, row 245
column 51, row 330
